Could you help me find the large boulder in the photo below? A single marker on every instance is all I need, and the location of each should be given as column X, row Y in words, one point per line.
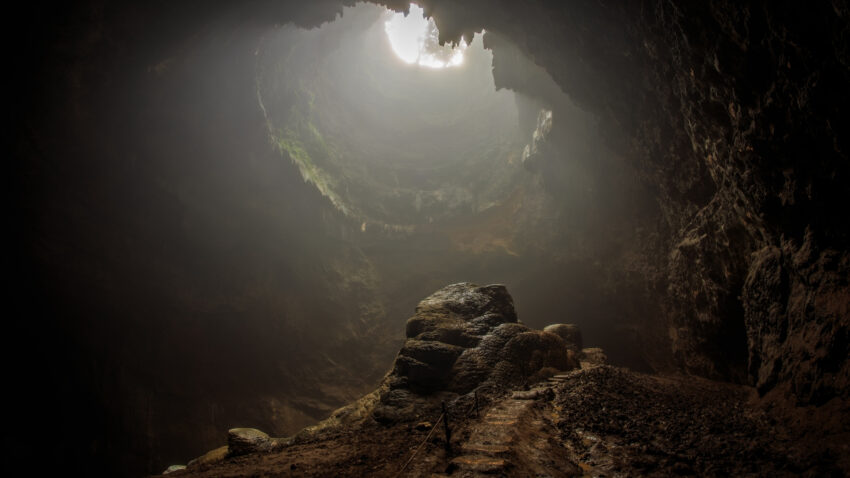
column 462, row 337
column 569, row 332
column 242, row 441
column 426, row 363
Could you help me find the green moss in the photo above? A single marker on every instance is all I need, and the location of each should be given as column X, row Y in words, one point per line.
column 301, row 141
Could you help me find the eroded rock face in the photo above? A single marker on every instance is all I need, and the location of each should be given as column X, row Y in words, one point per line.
column 462, row 337
column 242, row 441
column 797, row 301
column 734, row 113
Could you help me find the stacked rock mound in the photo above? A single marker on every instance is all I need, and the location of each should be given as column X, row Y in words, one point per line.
column 461, row 338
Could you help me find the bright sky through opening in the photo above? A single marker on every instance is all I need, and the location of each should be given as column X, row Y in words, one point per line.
column 415, row 39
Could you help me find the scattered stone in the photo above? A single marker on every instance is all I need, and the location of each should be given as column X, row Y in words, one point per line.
column 569, row 332
column 479, row 463
column 526, row 395
column 594, row 356
column 422, row 426
column 242, row 441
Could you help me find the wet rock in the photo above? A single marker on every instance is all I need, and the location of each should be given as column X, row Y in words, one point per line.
column 461, row 337
column 438, row 354
column 425, row 363
column 173, row 468
column 535, row 152
column 570, row 333
column 242, row 441
column 528, row 352
column 467, row 301
column 208, row 458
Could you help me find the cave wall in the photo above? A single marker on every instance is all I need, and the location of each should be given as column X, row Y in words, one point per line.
column 160, row 299
column 732, row 114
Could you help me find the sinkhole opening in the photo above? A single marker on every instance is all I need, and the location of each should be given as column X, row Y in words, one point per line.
column 393, row 147
column 415, row 39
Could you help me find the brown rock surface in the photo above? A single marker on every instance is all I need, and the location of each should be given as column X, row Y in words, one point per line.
column 464, row 337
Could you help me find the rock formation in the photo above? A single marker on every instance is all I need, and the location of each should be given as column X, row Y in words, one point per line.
column 242, row 441
column 735, row 115
column 462, row 338
column 570, row 333
column 596, row 420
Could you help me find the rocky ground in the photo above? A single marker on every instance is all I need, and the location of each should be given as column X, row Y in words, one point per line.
column 598, row 421
column 620, row 423
column 523, row 402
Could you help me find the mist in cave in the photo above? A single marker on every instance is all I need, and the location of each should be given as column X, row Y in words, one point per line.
column 229, row 220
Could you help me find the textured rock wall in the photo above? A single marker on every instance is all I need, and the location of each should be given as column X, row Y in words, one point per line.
column 462, row 338
column 732, row 113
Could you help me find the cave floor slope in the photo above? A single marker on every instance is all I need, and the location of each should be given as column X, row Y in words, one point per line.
column 597, row 421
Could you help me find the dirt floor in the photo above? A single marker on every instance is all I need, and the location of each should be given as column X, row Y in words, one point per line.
column 619, row 423
column 600, row 421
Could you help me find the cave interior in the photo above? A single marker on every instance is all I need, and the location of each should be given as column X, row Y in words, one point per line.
column 226, row 212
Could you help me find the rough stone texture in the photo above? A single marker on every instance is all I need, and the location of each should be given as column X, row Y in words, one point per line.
column 797, row 301
column 594, row 356
column 242, row 441
column 463, row 337
column 534, row 150
column 213, row 456
column 621, row 423
column 734, row 114
column 570, row 333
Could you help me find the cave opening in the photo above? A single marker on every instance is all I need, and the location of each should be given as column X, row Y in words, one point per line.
column 415, row 39
column 394, row 145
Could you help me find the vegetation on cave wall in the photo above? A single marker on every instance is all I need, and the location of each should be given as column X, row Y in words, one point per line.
column 388, row 144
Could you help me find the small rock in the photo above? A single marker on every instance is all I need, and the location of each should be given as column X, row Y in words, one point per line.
column 479, row 464
column 242, row 441
column 422, row 426
column 173, row 468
